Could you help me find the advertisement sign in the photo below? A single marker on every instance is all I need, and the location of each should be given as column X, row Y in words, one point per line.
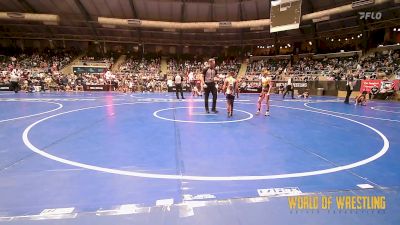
column 4, row 87
column 184, row 89
column 366, row 85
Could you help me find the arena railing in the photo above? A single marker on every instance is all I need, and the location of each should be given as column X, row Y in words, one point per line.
column 257, row 58
column 338, row 55
column 386, row 68
column 92, row 63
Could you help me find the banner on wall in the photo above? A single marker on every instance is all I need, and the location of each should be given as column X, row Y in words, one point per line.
column 366, row 85
column 295, row 84
column 4, row 87
column 184, row 89
column 394, row 84
column 250, row 89
column 96, row 87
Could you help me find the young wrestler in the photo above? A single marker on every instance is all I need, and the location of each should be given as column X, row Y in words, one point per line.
column 230, row 88
column 361, row 99
column 266, row 85
column 305, row 94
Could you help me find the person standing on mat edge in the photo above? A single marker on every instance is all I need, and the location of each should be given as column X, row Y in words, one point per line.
column 289, row 87
column 349, row 87
column 192, row 83
column 14, row 80
column 209, row 74
column 178, row 86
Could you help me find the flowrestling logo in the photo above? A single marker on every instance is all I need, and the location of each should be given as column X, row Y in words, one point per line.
column 370, row 15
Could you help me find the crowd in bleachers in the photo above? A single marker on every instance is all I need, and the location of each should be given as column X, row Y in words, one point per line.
column 136, row 65
column 376, row 66
column 184, row 66
column 276, row 66
column 47, row 62
column 42, row 71
column 94, row 59
column 142, row 74
column 273, row 65
column 35, row 68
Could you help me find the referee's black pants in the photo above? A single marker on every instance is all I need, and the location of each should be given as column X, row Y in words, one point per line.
column 210, row 88
column 349, row 90
column 178, row 88
column 289, row 88
column 14, row 86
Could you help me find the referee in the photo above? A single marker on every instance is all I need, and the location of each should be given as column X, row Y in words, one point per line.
column 14, row 81
column 289, row 87
column 349, row 87
column 209, row 74
column 178, row 86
